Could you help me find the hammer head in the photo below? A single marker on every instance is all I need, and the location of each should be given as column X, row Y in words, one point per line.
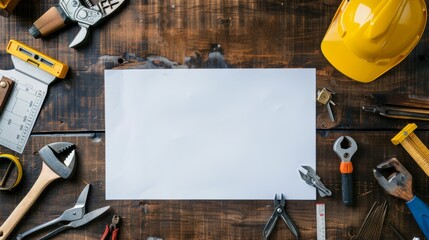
column 52, row 153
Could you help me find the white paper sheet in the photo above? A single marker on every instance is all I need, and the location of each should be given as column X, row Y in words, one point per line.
column 209, row 134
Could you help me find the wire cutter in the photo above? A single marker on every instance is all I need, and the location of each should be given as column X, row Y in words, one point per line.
column 346, row 166
column 75, row 216
column 85, row 14
column 279, row 211
column 312, row 179
column 112, row 229
column 399, row 184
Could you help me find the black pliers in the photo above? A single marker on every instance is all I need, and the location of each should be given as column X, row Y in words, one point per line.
column 279, row 211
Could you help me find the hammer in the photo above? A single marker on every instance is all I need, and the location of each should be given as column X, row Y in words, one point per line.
column 52, row 169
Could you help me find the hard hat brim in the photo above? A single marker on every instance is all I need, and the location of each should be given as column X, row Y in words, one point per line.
column 345, row 61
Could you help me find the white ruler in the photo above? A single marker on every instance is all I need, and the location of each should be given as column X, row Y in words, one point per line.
column 320, row 220
column 24, row 103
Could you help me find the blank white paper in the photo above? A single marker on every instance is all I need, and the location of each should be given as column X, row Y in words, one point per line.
column 209, row 133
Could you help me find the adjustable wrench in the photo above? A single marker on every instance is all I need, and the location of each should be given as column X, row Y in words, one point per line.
column 52, row 169
column 346, row 167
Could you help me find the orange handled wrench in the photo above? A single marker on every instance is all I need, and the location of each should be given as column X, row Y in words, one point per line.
column 346, row 166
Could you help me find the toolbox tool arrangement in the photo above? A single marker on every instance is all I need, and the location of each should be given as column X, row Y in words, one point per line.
column 85, row 14
column 112, row 230
column 361, row 44
column 346, row 166
column 399, row 184
column 414, row 146
column 33, row 73
column 52, row 168
column 76, row 217
column 312, row 179
column 280, row 212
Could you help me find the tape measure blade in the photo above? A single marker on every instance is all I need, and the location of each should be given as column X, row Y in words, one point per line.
column 320, row 221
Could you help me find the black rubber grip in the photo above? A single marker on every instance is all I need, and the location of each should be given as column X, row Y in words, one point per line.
column 347, row 188
column 35, row 32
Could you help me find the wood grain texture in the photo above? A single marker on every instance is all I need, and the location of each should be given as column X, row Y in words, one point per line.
column 251, row 34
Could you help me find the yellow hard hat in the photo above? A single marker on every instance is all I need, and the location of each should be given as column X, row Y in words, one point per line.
column 366, row 38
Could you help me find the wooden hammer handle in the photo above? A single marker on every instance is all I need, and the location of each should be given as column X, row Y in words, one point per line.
column 49, row 22
column 45, row 178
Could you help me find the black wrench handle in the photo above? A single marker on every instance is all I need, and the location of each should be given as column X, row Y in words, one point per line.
column 347, row 188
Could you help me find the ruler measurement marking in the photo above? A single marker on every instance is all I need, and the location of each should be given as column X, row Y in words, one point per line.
column 320, row 221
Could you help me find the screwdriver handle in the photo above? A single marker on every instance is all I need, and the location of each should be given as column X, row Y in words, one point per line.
column 420, row 211
column 346, row 169
column 51, row 21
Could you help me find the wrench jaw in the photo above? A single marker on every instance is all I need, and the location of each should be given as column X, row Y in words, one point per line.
column 345, row 154
column 52, row 153
column 398, row 183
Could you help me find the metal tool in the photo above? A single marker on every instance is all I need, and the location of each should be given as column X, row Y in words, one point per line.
column 312, row 179
column 413, row 145
column 399, row 184
column 7, row 6
column 12, row 162
column 324, row 96
column 52, row 168
column 346, row 166
column 373, row 223
column 112, row 229
column 399, row 112
column 75, row 224
column 320, row 221
column 76, row 216
column 399, row 106
column 280, row 212
column 32, row 75
column 398, row 236
column 85, row 14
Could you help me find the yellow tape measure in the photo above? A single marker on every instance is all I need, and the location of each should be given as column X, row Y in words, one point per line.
column 12, row 171
column 414, row 146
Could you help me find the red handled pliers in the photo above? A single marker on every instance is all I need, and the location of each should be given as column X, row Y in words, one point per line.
column 112, row 229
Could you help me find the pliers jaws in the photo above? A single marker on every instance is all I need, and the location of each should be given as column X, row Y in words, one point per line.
column 399, row 181
column 279, row 211
column 312, row 179
column 112, row 229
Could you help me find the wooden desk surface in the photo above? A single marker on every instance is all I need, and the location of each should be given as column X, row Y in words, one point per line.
column 251, row 34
